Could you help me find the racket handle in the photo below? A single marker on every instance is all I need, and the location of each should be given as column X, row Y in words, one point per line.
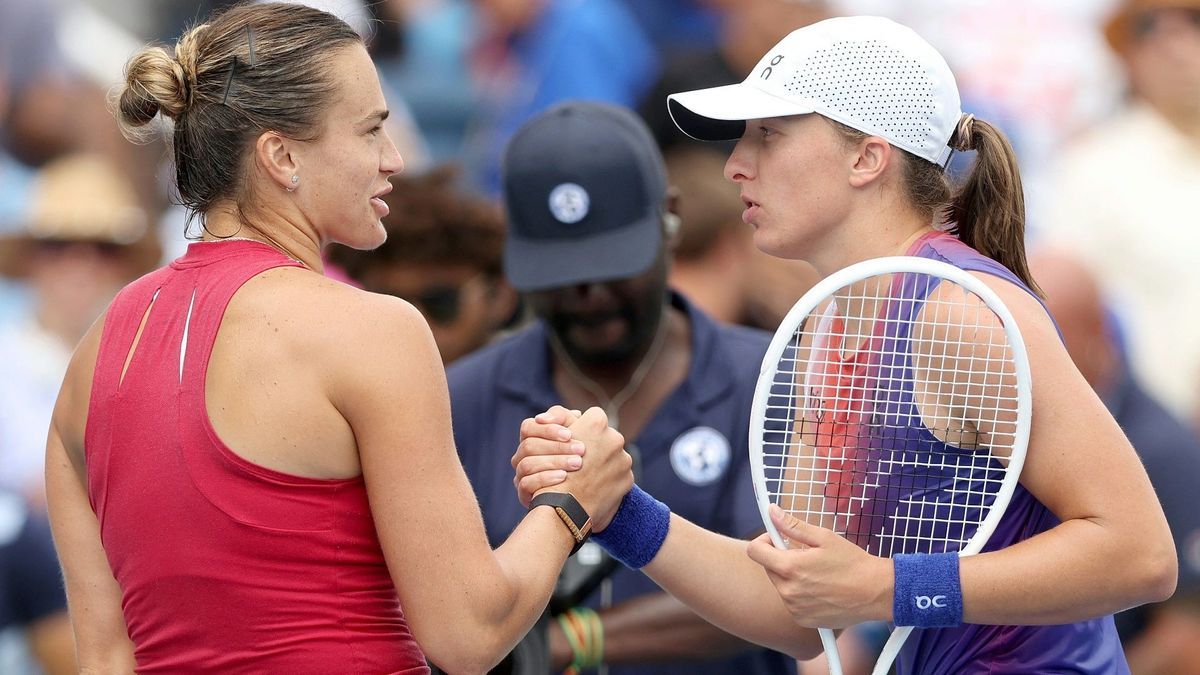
column 829, row 642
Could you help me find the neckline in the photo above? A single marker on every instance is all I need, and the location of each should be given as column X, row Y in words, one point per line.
column 206, row 251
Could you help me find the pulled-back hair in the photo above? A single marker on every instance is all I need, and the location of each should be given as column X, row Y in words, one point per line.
column 252, row 68
column 987, row 210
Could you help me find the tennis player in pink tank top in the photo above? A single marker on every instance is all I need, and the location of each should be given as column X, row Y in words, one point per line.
column 250, row 466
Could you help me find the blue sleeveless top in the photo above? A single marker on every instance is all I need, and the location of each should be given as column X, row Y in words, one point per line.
column 1085, row 647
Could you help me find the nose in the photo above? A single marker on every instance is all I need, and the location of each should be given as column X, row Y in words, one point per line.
column 739, row 167
column 391, row 162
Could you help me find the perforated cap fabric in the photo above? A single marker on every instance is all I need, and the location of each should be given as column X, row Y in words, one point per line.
column 867, row 72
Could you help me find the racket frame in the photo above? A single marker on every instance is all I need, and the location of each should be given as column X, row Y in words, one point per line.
column 817, row 296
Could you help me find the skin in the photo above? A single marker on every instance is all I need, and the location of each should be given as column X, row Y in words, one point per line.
column 810, row 195
column 285, row 392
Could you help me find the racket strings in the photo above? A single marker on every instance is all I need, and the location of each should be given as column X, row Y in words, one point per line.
column 892, row 415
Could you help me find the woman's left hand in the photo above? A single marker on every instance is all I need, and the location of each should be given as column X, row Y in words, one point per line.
column 824, row 580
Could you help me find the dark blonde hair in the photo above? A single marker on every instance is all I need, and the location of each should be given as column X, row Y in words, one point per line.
column 987, row 210
column 252, row 68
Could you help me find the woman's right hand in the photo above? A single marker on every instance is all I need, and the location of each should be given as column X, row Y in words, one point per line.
column 564, row 451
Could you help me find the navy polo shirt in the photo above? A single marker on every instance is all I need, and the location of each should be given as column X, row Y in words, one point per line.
column 30, row 581
column 694, row 454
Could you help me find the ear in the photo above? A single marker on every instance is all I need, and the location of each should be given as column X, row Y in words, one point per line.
column 872, row 156
column 275, row 155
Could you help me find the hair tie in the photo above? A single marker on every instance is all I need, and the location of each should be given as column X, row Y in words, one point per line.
column 962, row 140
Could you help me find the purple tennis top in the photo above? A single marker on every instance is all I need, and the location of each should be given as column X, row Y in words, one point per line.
column 1085, row 647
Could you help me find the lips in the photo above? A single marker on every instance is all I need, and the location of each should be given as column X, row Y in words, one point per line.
column 377, row 202
column 382, row 192
column 752, row 209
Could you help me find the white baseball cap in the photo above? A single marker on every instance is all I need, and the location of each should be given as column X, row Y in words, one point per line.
column 867, row 72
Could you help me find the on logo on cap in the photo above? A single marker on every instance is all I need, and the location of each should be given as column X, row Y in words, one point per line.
column 569, row 203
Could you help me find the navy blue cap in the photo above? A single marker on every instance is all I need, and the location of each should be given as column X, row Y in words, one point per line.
column 584, row 189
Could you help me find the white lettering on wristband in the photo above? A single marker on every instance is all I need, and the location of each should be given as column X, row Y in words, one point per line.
column 925, row 602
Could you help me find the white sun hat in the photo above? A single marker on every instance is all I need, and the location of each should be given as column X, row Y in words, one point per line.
column 869, row 73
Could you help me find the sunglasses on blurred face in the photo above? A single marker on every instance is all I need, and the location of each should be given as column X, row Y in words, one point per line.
column 440, row 303
column 1147, row 23
column 104, row 249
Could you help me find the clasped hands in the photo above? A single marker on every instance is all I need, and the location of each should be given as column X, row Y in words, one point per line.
column 823, row 579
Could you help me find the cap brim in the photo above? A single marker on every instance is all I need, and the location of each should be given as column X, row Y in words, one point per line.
column 539, row 264
column 720, row 113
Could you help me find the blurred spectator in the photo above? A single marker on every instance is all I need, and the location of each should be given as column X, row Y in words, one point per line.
column 443, row 254
column 429, row 64
column 85, row 237
column 749, row 28
column 1127, row 195
column 35, row 631
column 1163, row 638
column 716, row 264
column 531, row 54
column 679, row 25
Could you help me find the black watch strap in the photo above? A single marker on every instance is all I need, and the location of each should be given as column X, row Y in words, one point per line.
column 572, row 513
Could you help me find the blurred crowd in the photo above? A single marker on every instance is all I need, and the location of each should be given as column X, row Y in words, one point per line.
column 1101, row 99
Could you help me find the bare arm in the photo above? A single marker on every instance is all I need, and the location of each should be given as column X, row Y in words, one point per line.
column 1113, row 549
column 93, row 597
column 467, row 604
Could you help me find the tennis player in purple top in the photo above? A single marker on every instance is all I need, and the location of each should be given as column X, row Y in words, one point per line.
column 843, row 133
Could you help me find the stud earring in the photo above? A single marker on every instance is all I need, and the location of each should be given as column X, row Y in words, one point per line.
column 295, row 182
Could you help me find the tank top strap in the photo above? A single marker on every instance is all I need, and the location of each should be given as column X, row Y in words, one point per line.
column 207, row 300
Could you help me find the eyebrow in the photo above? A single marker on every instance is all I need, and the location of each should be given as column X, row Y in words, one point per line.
column 378, row 115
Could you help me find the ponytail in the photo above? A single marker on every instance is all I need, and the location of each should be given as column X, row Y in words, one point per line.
column 987, row 212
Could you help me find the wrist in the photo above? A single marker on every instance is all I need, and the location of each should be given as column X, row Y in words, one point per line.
column 572, row 514
column 637, row 530
column 928, row 591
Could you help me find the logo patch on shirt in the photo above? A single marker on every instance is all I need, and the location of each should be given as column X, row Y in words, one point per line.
column 569, row 203
column 700, row 456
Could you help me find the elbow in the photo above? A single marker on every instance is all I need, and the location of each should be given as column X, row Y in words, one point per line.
column 1162, row 574
column 802, row 646
column 459, row 655
column 1154, row 572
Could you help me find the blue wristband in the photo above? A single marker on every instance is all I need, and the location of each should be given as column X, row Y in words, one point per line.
column 928, row 592
column 637, row 531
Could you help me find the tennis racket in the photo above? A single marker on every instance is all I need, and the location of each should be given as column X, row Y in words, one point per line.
column 893, row 407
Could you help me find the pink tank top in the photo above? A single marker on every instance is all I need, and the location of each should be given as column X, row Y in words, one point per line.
column 224, row 566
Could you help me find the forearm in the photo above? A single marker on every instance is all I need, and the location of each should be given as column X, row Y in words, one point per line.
column 1075, row 571
column 712, row 575
column 497, row 602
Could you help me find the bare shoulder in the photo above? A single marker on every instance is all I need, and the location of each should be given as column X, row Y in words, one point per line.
column 298, row 304
column 353, row 337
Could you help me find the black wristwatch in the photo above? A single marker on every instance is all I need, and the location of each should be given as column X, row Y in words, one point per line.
column 573, row 515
